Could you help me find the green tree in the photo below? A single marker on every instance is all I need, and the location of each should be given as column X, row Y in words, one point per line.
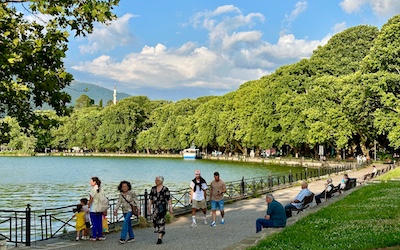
column 32, row 69
column 83, row 101
column 19, row 140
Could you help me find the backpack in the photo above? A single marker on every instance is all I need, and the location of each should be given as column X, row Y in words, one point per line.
column 103, row 203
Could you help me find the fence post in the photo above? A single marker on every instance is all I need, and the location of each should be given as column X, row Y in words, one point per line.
column 146, row 200
column 270, row 182
column 242, row 186
column 290, row 177
column 28, row 225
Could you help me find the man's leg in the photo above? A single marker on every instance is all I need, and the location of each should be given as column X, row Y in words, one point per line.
column 260, row 223
column 318, row 198
column 288, row 210
column 213, row 212
column 194, row 209
column 221, row 204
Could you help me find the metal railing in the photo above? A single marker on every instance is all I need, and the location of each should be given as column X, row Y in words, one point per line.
column 23, row 227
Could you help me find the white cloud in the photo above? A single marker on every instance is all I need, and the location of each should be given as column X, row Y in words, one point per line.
column 339, row 27
column 235, row 53
column 107, row 37
column 383, row 8
column 300, row 7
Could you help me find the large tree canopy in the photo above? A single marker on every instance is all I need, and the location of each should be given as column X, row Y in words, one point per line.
column 32, row 71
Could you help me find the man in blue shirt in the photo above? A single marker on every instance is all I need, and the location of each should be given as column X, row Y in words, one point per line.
column 274, row 217
column 298, row 200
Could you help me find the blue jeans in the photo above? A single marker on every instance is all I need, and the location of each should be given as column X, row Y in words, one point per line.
column 97, row 226
column 127, row 227
column 261, row 222
column 217, row 204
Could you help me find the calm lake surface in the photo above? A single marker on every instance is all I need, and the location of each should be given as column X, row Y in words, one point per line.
column 49, row 182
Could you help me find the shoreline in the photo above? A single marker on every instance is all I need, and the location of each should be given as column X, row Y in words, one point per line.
column 300, row 162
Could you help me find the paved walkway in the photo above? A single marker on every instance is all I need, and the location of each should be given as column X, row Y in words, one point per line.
column 238, row 232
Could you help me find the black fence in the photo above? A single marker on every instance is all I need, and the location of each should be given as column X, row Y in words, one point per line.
column 25, row 227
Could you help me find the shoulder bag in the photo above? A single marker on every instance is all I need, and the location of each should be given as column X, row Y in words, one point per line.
column 135, row 210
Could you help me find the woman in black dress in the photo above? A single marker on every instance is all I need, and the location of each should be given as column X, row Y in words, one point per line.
column 160, row 200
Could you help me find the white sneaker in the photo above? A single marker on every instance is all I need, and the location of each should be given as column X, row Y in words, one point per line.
column 205, row 222
column 77, row 238
column 194, row 224
column 213, row 224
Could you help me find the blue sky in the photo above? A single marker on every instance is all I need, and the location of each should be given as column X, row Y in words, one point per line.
column 189, row 48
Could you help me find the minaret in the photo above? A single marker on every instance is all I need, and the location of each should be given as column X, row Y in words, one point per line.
column 115, row 94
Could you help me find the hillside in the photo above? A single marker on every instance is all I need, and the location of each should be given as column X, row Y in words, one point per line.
column 97, row 93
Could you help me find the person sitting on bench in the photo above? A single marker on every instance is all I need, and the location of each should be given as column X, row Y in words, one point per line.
column 327, row 193
column 297, row 203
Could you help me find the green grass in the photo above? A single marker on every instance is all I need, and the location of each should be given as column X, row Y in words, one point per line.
column 368, row 218
column 392, row 174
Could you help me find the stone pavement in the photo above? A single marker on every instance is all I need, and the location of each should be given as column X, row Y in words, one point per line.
column 238, row 232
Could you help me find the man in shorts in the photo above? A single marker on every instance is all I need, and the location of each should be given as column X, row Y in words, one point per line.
column 217, row 190
column 198, row 189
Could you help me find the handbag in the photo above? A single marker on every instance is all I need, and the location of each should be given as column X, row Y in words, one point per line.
column 134, row 208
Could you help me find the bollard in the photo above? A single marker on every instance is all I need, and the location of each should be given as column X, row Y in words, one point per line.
column 3, row 243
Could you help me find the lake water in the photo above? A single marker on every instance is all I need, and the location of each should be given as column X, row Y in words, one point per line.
column 46, row 182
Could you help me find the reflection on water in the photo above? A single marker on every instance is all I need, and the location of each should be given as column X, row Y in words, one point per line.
column 49, row 182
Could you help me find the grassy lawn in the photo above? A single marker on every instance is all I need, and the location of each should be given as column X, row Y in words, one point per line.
column 368, row 218
column 392, row 174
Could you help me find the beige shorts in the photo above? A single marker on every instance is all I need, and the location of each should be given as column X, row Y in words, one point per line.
column 199, row 204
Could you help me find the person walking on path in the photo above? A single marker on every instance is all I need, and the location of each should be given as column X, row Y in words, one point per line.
column 275, row 215
column 217, row 190
column 297, row 203
column 160, row 198
column 127, row 199
column 94, row 205
column 198, row 194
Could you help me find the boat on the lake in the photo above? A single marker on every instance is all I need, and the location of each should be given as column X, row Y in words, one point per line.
column 191, row 153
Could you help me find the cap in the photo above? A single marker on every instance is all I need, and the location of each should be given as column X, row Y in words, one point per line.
column 197, row 172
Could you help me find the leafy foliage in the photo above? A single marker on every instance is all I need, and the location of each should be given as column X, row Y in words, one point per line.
column 32, row 68
column 345, row 96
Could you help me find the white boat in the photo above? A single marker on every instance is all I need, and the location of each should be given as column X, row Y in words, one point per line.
column 191, row 153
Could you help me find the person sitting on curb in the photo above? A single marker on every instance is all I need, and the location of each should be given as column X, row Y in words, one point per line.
column 327, row 193
column 274, row 217
column 297, row 203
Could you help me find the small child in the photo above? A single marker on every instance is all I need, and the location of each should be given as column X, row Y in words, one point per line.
column 80, row 220
column 85, row 208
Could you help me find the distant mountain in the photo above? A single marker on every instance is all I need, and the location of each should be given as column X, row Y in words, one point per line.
column 97, row 93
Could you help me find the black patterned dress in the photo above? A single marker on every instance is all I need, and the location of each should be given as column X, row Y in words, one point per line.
column 160, row 205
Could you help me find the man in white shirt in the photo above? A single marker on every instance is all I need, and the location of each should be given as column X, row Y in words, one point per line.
column 198, row 193
column 298, row 200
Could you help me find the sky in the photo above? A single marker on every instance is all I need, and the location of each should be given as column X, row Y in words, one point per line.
column 178, row 49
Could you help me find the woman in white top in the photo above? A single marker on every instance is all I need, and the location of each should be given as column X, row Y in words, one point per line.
column 94, row 205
